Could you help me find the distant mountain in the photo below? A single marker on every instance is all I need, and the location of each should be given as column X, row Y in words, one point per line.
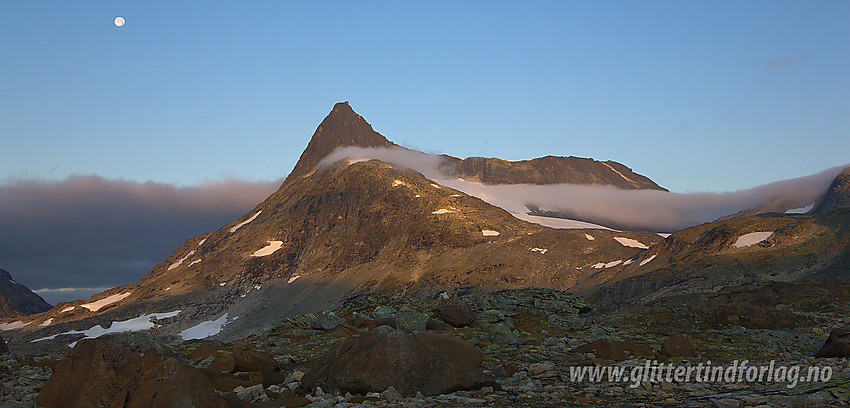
column 547, row 170
column 18, row 300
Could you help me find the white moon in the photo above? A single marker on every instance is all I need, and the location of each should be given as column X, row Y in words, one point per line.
column 119, row 21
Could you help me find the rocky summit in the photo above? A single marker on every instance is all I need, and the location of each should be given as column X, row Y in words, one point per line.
column 367, row 284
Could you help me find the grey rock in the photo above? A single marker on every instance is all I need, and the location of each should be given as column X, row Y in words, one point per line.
column 410, row 320
column 391, row 394
column 500, row 333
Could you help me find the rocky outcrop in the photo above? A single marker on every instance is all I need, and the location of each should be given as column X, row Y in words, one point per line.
column 423, row 362
column 125, row 371
column 18, row 300
column 838, row 194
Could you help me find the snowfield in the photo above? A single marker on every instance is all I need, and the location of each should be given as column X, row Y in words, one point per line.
column 204, row 329
column 143, row 322
column 752, row 238
column 245, row 222
column 630, row 243
column 100, row 304
column 801, row 210
column 268, row 249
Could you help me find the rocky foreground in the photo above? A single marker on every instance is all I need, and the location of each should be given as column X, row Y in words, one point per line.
column 511, row 348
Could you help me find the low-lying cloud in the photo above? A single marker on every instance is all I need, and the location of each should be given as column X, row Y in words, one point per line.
column 91, row 232
column 650, row 210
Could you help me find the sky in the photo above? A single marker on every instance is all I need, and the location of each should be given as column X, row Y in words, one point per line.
column 699, row 96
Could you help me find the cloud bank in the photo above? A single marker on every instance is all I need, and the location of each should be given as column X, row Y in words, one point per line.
column 650, row 210
column 89, row 232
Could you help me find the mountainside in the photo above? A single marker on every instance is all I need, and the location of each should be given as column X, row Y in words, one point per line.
column 731, row 253
column 838, row 194
column 18, row 300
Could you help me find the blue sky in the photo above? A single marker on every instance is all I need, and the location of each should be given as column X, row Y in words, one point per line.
column 698, row 96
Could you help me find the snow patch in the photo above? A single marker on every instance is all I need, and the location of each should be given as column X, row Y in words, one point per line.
column 558, row 223
column 46, row 322
column 621, row 174
column 143, row 322
column 397, row 183
column 352, row 161
column 801, row 210
column 455, row 195
column 589, row 237
column 268, row 249
column 194, row 262
column 752, row 238
column 12, row 326
column 611, row 264
column 630, row 243
column 436, row 185
column 222, row 284
column 628, row 262
column 245, row 222
column 442, row 211
column 179, row 262
column 100, row 304
column 204, row 329
column 489, row 233
column 646, row 261
column 202, row 242
column 292, row 279
column 541, row 250
column 67, row 309
column 663, row 234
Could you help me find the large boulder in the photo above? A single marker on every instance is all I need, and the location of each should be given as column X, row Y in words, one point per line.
column 125, row 372
column 427, row 362
column 837, row 344
column 243, row 361
column 457, row 315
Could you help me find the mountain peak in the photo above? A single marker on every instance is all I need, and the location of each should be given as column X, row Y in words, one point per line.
column 342, row 127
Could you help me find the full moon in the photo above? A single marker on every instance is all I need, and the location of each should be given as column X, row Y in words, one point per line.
column 119, row 21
